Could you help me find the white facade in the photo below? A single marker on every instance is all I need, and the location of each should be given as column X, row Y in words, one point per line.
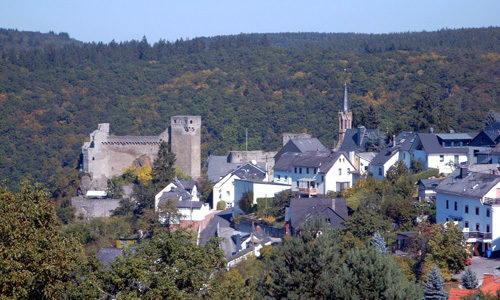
column 223, row 190
column 380, row 172
column 363, row 165
column 477, row 217
column 195, row 214
column 445, row 162
column 259, row 189
column 337, row 178
column 169, row 187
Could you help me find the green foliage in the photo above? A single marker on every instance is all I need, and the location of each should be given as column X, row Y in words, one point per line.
column 396, row 171
column 469, row 279
column 274, row 207
column 246, row 203
column 169, row 266
column 221, row 205
column 365, row 222
column 434, row 286
column 36, row 260
column 416, row 166
column 61, row 93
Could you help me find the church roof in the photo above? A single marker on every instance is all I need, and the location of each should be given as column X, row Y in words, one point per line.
column 355, row 139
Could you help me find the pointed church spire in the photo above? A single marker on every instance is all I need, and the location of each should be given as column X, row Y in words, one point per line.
column 346, row 101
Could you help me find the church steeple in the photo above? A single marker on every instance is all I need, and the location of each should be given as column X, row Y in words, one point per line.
column 346, row 101
column 345, row 118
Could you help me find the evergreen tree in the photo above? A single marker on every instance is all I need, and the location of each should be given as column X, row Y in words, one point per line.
column 378, row 243
column 469, row 280
column 434, row 286
column 163, row 166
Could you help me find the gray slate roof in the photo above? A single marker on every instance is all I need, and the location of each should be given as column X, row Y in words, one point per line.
column 303, row 209
column 429, row 184
column 301, row 145
column 250, row 171
column 367, row 155
column 356, row 139
column 456, row 136
column 493, row 131
column 321, row 160
column 218, row 167
column 109, row 255
column 474, row 185
column 383, row 156
column 431, row 145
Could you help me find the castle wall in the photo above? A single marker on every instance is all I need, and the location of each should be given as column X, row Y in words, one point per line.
column 185, row 133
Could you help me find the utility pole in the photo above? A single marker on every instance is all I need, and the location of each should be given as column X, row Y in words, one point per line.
column 251, row 237
column 246, row 139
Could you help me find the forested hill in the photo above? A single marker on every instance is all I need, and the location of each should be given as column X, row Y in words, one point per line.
column 16, row 40
column 53, row 97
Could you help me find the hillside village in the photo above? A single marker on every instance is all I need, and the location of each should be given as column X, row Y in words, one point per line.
column 311, row 179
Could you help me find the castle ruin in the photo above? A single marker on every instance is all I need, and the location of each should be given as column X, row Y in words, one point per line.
column 105, row 156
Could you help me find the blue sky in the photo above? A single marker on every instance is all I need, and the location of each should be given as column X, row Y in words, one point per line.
column 104, row 20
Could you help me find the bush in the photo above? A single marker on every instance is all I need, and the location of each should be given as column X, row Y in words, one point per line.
column 221, row 205
column 246, row 203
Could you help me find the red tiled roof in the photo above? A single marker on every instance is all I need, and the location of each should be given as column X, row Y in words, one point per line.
column 490, row 286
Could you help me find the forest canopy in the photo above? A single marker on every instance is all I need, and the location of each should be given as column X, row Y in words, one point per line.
column 54, row 94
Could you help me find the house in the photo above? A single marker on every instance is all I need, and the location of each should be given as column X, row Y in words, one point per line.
column 435, row 156
column 488, row 137
column 315, row 172
column 224, row 189
column 362, row 160
column 332, row 211
column 490, row 286
column 258, row 189
column 472, row 200
column 361, row 140
column 427, row 189
column 300, row 145
column 220, row 166
column 398, row 149
column 187, row 201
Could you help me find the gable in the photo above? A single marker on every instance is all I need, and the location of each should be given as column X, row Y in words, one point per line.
column 482, row 139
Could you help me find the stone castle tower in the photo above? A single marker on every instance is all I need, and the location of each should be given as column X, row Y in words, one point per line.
column 185, row 140
column 345, row 118
column 105, row 155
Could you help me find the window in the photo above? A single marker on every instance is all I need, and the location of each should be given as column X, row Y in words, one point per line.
column 467, row 209
column 487, row 228
column 286, row 177
column 477, row 210
column 441, row 158
column 447, row 204
column 466, row 224
column 300, row 170
column 314, row 170
column 297, row 184
column 279, row 177
column 295, row 170
column 340, row 171
column 323, row 178
column 488, row 214
column 380, row 171
column 456, row 205
column 404, row 155
column 447, row 219
column 348, row 170
column 478, row 227
column 307, row 170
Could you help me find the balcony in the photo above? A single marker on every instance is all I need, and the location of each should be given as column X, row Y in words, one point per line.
column 308, row 191
column 491, row 201
column 477, row 235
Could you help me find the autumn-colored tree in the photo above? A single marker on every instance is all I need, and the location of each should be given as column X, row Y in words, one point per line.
column 36, row 261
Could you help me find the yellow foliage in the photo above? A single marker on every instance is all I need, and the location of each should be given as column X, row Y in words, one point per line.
column 300, row 74
column 269, row 219
column 491, row 56
column 420, row 72
column 144, row 174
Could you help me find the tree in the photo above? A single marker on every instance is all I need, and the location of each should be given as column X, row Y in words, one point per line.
column 366, row 274
column 378, row 243
column 163, row 167
column 221, row 205
column 416, row 166
column 434, row 286
column 469, row 279
column 397, row 170
column 365, row 222
column 168, row 266
column 446, row 247
column 36, row 260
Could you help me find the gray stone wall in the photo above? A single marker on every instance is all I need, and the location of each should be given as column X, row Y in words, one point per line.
column 94, row 208
column 185, row 133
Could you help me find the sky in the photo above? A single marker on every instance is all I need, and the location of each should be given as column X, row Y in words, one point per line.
column 105, row 20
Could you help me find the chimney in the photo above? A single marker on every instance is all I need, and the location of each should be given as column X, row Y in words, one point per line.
column 431, row 130
column 393, row 140
column 463, row 172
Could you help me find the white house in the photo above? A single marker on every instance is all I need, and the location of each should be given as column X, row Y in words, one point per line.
column 383, row 161
column 362, row 160
column 435, row 156
column 224, row 189
column 314, row 173
column 259, row 189
column 188, row 203
column 472, row 199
